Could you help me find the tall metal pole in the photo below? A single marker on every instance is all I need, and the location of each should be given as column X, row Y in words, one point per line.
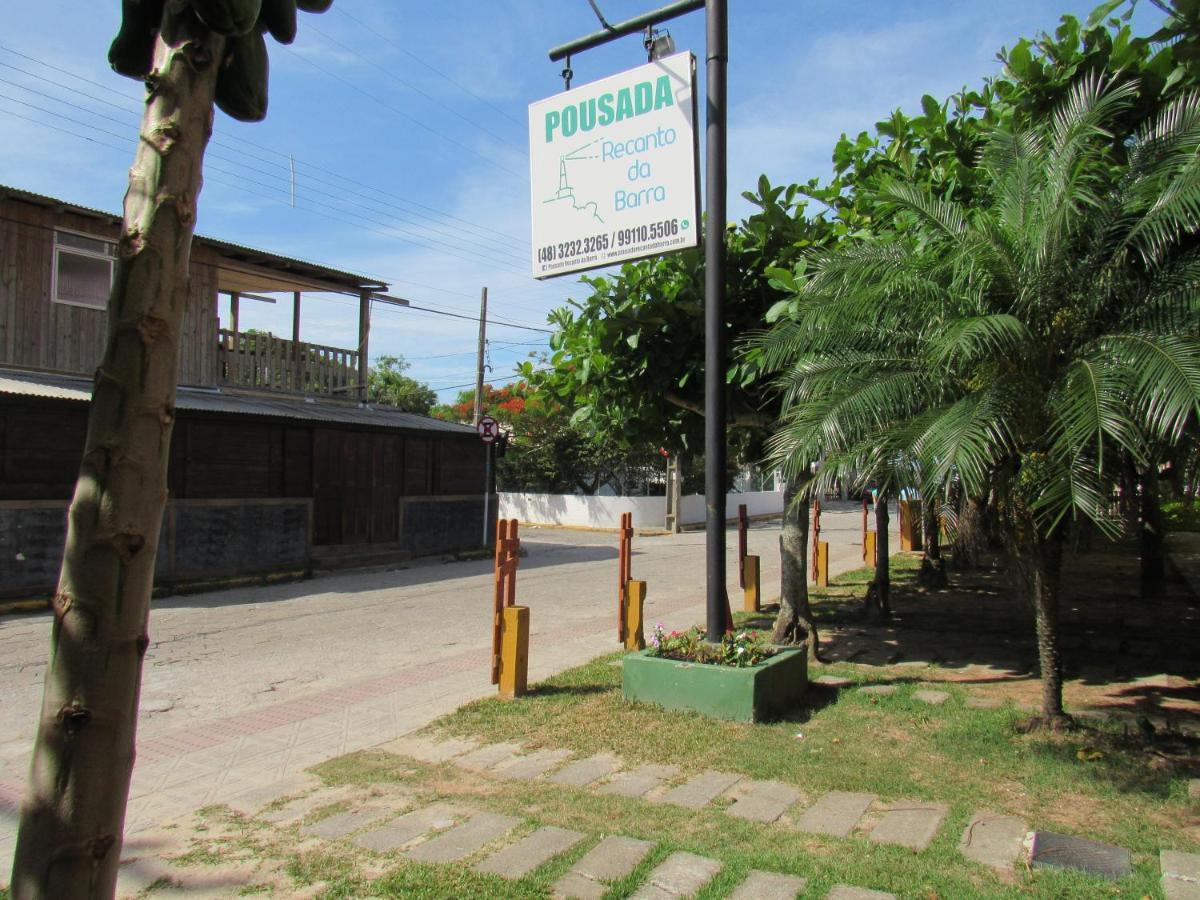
column 717, row 21
column 479, row 358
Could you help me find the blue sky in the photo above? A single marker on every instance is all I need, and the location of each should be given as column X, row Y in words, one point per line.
column 407, row 126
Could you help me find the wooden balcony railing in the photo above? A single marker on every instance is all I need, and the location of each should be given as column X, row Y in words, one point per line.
column 265, row 362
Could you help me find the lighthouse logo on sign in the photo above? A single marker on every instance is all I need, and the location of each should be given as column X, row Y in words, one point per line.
column 613, row 169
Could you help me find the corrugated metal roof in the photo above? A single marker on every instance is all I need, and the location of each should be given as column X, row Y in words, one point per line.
column 238, row 252
column 67, row 387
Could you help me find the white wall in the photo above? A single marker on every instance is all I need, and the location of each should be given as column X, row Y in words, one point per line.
column 605, row 512
column 589, row 512
column 758, row 503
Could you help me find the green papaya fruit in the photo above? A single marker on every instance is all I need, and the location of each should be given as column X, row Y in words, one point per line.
column 242, row 79
column 231, row 18
column 132, row 50
column 314, row 6
column 279, row 18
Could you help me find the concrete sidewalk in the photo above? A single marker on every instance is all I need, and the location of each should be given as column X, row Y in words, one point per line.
column 245, row 689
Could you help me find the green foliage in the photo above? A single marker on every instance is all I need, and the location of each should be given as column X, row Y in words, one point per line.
column 551, row 450
column 1022, row 338
column 388, row 385
column 1181, row 515
column 635, row 341
column 939, row 149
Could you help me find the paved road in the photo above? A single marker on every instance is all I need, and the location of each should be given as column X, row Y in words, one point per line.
column 249, row 686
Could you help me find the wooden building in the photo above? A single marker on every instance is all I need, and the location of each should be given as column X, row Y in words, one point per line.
column 277, row 463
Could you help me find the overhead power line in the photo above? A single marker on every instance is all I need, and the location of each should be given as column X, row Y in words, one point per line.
column 412, row 87
column 341, row 9
column 419, row 240
column 281, row 177
column 399, row 112
column 132, row 104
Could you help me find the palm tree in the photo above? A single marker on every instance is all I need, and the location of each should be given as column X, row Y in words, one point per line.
column 1019, row 345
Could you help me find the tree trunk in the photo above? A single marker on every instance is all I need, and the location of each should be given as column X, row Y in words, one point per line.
column 1044, row 567
column 879, row 591
column 794, row 622
column 971, row 540
column 72, row 817
column 932, row 574
column 1154, row 572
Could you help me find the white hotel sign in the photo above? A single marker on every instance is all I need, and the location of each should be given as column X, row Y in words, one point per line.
column 612, row 169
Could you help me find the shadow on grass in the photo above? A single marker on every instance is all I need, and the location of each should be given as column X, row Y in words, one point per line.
column 816, row 698
column 545, row 689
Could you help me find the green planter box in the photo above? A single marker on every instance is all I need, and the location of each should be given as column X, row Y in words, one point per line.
column 766, row 691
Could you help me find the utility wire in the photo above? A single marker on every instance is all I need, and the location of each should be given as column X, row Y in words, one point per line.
column 341, row 9
column 412, row 87
column 276, row 175
column 133, row 103
column 419, row 240
column 403, row 114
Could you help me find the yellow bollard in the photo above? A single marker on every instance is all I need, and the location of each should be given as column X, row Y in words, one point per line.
column 869, row 550
column 753, row 584
column 514, row 651
column 910, row 524
column 635, row 595
column 823, row 564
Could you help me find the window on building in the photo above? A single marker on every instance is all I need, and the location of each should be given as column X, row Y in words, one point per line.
column 83, row 269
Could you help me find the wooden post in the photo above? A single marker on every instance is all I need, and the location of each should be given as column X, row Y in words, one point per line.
column 624, row 573
column 743, row 525
column 508, row 557
column 297, row 384
column 635, row 638
column 869, row 548
column 514, row 652
column 364, row 334
column 752, row 584
column 864, row 528
column 821, row 564
column 237, row 337
column 910, row 525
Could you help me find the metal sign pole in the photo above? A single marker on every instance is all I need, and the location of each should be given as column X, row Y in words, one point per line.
column 717, row 56
column 716, row 17
column 489, row 430
column 487, row 490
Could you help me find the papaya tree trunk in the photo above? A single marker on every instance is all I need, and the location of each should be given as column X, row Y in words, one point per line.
column 794, row 622
column 72, row 816
column 1154, row 565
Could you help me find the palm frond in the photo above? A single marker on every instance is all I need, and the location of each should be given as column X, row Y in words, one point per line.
column 1089, row 407
column 963, row 341
column 1164, row 373
column 970, row 436
column 946, row 217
